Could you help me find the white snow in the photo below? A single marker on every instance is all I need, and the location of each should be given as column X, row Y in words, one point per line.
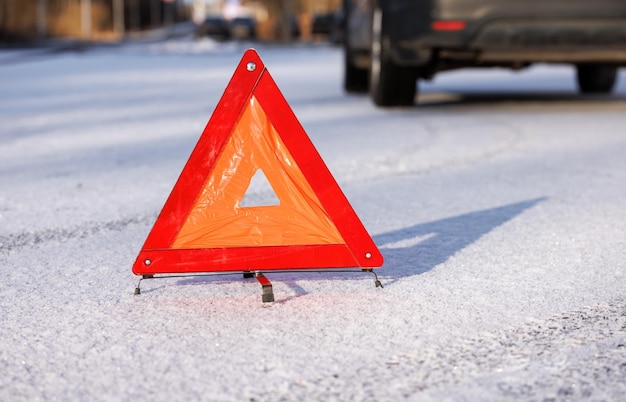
column 498, row 204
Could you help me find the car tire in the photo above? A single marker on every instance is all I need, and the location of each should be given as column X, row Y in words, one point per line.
column 355, row 79
column 595, row 78
column 390, row 84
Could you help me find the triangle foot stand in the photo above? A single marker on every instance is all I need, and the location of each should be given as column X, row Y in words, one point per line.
column 268, row 291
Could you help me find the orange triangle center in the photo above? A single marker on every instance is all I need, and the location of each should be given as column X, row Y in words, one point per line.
column 217, row 218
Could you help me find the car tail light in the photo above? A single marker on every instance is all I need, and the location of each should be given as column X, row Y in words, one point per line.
column 447, row 25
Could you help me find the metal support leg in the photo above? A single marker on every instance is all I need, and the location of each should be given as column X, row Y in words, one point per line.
column 376, row 281
column 268, row 293
column 137, row 289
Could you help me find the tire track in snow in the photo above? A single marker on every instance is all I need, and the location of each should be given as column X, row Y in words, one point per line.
column 570, row 356
column 18, row 241
column 442, row 148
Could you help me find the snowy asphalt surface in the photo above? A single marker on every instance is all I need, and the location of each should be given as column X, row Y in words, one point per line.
column 498, row 204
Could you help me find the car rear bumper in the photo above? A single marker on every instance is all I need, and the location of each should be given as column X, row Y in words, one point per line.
column 524, row 41
column 508, row 31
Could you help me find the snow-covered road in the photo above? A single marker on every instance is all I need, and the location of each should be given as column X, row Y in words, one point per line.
column 498, row 204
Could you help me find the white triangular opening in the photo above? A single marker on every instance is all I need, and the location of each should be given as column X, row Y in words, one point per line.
column 259, row 193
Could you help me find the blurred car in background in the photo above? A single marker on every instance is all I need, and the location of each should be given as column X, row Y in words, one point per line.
column 214, row 26
column 243, row 28
column 323, row 24
column 328, row 26
column 390, row 44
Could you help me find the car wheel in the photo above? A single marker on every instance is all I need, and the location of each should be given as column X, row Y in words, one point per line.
column 355, row 79
column 390, row 84
column 595, row 78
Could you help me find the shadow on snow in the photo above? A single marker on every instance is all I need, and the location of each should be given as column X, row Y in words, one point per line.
column 419, row 248
column 408, row 251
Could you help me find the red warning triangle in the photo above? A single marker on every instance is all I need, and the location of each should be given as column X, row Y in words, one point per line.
column 204, row 227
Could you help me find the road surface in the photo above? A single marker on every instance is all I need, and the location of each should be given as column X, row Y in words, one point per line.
column 498, row 203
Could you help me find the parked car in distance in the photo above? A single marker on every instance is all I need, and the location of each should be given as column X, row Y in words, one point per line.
column 243, row 28
column 215, row 27
column 323, row 24
column 328, row 26
column 391, row 44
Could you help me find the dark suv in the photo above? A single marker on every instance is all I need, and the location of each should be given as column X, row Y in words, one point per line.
column 389, row 44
